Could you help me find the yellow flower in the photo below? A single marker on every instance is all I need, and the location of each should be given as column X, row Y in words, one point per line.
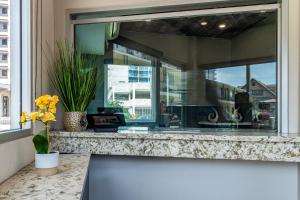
column 34, row 116
column 53, row 110
column 54, row 99
column 43, row 101
column 48, row 116
column 23, row 118
column 39, row 103
column 52, row 107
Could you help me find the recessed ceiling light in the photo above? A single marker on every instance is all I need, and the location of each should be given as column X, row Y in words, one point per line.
column 263, row 11
column 222, row 26
column 148, row 20
column 204, row 23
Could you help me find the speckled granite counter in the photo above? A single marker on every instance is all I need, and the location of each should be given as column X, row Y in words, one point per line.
column 259, row 148
column 67, row 184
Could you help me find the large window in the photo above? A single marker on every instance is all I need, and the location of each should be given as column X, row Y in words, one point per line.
column 206, row 72
column 14, row 65
column 246, row 93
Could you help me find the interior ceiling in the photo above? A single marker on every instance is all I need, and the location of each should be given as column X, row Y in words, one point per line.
column 235, row 24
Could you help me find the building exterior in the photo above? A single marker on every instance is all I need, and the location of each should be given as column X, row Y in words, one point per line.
column 130, row 87
column 130, row 84
column 4, row 65
column 264, row 97
column 225, row 96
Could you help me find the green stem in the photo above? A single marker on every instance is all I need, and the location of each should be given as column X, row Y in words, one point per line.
column 47, row 135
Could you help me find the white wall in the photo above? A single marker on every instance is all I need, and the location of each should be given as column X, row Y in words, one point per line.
column 14, row 155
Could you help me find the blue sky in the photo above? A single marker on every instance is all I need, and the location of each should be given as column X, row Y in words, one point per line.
column 236, row 76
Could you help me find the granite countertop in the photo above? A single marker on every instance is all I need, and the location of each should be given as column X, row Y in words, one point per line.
column 67, row 184
column 187, row 145
column 177, row 135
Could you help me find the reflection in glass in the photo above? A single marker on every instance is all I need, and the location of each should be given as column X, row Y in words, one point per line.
column 177, row 73
column 129, row 84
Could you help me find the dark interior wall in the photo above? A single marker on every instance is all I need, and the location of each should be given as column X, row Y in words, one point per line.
column 258, row 42
column 174, row 47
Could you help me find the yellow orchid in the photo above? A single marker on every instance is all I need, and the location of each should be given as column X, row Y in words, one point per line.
column 46, row 109
column 54, row 100
column 34, row 116
column 52, row 109
column 43, row 101
column 23, row 118
column 48, row 116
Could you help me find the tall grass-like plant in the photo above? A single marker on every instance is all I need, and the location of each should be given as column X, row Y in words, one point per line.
column 75, row 77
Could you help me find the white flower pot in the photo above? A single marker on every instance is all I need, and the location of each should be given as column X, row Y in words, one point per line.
column 46, row 164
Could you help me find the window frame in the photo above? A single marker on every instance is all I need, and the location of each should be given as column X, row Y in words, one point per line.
column 282, row 43
column 21, row 91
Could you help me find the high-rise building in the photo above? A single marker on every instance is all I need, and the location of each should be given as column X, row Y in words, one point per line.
column 4, row 65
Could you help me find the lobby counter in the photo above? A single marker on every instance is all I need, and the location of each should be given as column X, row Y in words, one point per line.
column 158, row 144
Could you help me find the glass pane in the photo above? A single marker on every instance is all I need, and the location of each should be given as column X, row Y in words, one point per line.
column 224, row 86
column 129, row 84
column 203, row 73
column 5, row 83
column 263, row 90
column 171, row 95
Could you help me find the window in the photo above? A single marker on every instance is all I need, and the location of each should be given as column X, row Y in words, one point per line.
column 221, row 74
column 4, row 73
column 142, row 95
column 129, row 85
column 15, row 77
column 254, row 89
column 5, row 106
column 4, row 42
column 3, row 26
column 171, row 86
column 121, row 96
column 257, row 92
column 4, row 57
column 4, row 11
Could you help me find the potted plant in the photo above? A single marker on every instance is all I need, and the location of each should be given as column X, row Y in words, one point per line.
column 75, row 77
column 46, row 161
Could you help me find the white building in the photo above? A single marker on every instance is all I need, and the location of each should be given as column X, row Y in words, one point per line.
column 4, row 65
column 130, row 86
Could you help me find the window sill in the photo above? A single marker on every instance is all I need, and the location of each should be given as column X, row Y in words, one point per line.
column 11, row 135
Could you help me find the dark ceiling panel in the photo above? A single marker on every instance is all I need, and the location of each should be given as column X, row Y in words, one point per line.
column 235, row 24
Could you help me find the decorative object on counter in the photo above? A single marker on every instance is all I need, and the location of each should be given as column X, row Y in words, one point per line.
column 46, row 161
column 213, row 116
column 106, row 120
column 75, row 77
column 75, row 121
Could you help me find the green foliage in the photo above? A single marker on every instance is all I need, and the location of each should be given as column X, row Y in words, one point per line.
column 41, row 143
column 117, row 104
column 75, row 77
column 114, row 104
